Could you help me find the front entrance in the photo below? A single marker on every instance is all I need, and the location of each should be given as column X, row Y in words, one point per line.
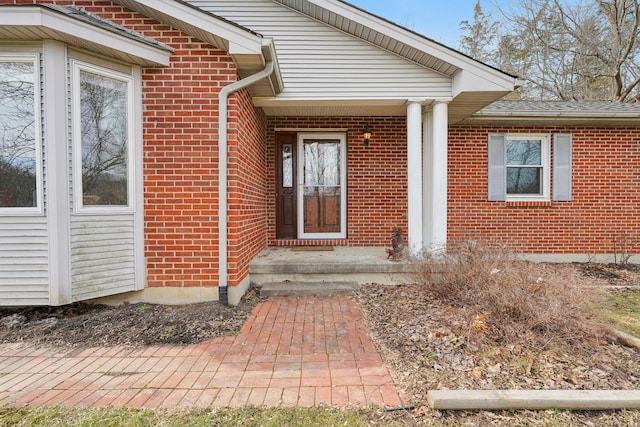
column 311, row 186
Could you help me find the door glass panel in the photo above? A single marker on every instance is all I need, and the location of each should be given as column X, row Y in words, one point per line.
column 321, row 186
column 287, row 166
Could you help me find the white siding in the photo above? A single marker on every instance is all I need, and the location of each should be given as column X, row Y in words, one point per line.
column 23, row 261
column 102, row 256
column 320, row 62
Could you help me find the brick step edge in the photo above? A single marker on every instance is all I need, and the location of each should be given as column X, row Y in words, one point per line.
column 588, row 400
column 307, row 288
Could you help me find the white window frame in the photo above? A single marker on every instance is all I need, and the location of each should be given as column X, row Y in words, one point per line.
column 35, row 59
column 79, row 207
column 546, row 167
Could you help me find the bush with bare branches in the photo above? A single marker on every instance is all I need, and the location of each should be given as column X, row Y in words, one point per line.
column 509, row 300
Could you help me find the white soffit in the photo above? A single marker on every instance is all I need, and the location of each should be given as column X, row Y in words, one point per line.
column 39, row 22
column 332, row 108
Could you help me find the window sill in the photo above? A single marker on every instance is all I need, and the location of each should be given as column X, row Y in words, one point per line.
column 528, row 204
column 21, row 211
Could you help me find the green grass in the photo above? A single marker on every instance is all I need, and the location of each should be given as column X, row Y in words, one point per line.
column 625, row 311
column 130, row 417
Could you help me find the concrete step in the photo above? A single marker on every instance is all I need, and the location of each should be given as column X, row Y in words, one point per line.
column 491, row 400
column 307, row 288
column 343, row 264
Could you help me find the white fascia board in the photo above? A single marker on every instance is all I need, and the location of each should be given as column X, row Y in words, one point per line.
column 463, row 62
column 270, row 54
column 61, row 24
column 240, row 40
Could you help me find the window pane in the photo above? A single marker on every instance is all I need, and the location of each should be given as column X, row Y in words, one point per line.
column 321, row 163
column 104, row 134
column 524, row 152
column 524, row 181
column 18, row 177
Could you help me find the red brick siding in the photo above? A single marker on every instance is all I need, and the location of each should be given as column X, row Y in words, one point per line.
column 376, row 175
column 605, row 204
column 180, row 126
column 181, row 162
column 248, row 201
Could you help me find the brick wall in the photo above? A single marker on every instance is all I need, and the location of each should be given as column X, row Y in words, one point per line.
column 180, row 109
column 377, row 175
column 606, row 194
column 181, row 161
column 248, row 201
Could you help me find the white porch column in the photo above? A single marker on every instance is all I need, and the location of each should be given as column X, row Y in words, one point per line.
column 414, row 175
column 437, row 164
column 427, row 177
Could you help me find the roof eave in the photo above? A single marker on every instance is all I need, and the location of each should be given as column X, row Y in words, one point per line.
column 555, row 114
column 249, row 50
column 552, row 118
column 59, row 26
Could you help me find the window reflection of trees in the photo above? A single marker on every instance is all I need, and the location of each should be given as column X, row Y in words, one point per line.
column 524, row 167
column 322, row 168
column 104, row 135
column 17, row 134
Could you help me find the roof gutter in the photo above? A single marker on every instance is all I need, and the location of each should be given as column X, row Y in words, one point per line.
column 223, row 99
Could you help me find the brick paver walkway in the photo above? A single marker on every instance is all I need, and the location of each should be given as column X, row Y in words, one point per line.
column 299, row 351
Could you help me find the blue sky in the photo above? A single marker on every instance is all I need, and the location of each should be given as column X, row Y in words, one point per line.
column 436, row 19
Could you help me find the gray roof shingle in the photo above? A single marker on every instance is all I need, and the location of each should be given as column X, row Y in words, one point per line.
column 585, row 108
column 89, row 18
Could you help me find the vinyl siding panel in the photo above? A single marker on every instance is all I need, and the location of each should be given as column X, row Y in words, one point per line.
column 24, row 261
column 320, row 62
column 102, row 256
column 24, row 245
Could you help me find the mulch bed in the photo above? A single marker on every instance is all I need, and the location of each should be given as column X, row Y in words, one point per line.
column 94, row 325
column 429, row 345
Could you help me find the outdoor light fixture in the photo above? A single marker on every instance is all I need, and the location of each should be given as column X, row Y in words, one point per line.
column 366, row 135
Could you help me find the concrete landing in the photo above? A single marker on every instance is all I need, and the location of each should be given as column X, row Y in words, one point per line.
column 343, row 264
column 308, row 288
column 490, row 400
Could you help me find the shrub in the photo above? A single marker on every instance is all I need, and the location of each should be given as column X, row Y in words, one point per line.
column 509, row 300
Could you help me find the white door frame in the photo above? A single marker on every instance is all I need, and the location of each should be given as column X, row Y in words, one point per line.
column 342, row 137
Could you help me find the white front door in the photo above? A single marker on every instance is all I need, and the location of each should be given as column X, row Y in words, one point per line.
column 322, row 186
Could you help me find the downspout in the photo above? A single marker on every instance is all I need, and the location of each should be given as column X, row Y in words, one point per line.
column 223, row 98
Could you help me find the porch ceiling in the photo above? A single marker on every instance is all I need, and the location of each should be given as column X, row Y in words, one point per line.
column 460, row 108
column 324, row 108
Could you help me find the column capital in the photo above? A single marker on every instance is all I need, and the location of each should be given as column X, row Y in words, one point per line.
column 437, row 101
column 420, row 101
